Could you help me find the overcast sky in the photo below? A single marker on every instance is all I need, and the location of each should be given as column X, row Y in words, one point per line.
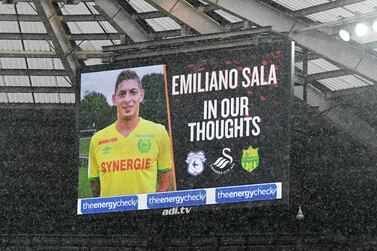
column 104, row 81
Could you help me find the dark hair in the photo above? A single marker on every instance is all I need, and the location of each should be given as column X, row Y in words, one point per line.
column 125, row 75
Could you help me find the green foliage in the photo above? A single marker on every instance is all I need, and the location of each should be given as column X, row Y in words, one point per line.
column 84, row 184
column 154, row 105
column 84, row 146
column 95, row 112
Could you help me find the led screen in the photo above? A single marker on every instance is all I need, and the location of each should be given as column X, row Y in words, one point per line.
column 193, row 129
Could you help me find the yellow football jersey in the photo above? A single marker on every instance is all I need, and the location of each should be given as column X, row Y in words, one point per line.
column 129, row 165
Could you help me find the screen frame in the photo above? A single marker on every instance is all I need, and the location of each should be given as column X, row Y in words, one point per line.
column 158, row 60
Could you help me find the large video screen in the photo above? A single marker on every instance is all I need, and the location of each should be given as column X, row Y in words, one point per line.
column 187, row 130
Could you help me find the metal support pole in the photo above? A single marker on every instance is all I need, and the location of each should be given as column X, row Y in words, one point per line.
column 305, row 72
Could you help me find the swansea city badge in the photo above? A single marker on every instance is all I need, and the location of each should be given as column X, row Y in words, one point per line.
column 195, row 161
column 224, row 163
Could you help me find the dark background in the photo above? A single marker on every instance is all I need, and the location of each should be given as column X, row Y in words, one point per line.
column 331, row 176
column 273, row 141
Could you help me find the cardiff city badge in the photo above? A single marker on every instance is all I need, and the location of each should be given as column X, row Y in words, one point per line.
column 195, row 161
column 250, row 159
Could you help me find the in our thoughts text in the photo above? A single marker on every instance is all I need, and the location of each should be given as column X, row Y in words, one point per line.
column 228, row 117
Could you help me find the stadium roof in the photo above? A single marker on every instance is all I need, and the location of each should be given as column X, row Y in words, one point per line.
column 43, row 42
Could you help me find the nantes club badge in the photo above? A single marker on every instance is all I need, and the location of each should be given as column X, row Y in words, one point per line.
column 250, row 159
column 144, row 145
column 195, row 161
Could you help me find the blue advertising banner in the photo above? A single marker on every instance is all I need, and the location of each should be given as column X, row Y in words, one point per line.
column 246, row 193
column 177, row 199
column 195, row 197
column 107, row 205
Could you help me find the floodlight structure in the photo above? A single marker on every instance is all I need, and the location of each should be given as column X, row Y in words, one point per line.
column 344, row 35
column 361, row 29
column 374, row 26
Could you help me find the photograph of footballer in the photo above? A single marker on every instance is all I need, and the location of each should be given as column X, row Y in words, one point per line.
column 132, row 155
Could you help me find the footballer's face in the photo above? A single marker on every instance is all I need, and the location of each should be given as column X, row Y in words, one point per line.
column 127, row 99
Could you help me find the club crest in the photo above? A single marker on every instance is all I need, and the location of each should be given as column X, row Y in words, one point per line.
column 195, row 161
column 224, row 163
column 144, row 145
column 250, row 159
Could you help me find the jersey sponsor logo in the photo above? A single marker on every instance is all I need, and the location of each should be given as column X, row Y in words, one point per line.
column 126, row 165
column 106, row 150
column 224, row 163
column 144, row 145
column 106, row 141
column 195, row 161
column 250, row 159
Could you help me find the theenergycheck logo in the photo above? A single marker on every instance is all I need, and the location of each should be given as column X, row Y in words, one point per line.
column 108, row 204
column 177, row 199
column 247, row 193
